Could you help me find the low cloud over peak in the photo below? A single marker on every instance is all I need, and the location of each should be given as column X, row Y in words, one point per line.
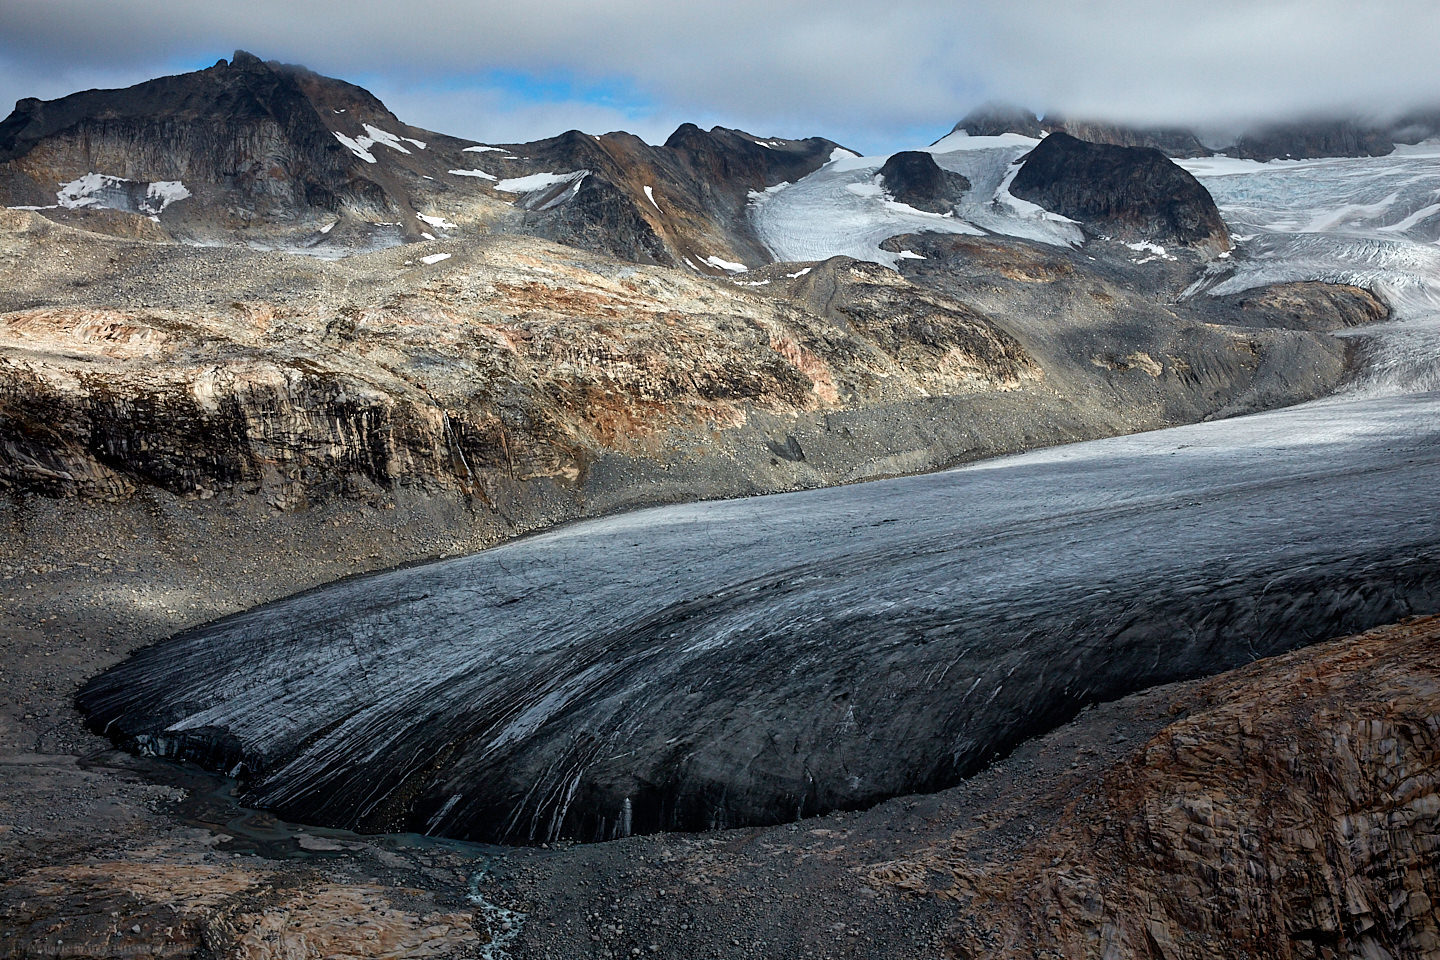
column 876, row 77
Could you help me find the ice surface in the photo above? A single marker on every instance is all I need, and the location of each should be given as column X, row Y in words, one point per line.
column 842, row 210
column 729, row 265
column 357, row 147
column 116, row 193
column 539, row 181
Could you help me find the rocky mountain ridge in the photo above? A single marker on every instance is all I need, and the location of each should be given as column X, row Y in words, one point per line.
column 274, row 155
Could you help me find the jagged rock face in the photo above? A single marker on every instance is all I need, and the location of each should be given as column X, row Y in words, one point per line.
column 275, row 154
column 913, row 178
column 1289, row 812
column 1306, row 140
column 1171, row 141
column 250, row 140
column 1135, row 193
column 994, row 119
column 684, row 201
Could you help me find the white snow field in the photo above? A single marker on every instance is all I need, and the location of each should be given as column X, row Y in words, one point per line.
column 842, row 210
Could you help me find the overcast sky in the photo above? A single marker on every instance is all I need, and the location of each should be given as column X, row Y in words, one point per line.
column 874, row 75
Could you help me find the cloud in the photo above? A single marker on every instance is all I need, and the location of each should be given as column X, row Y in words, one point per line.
column 860, row 72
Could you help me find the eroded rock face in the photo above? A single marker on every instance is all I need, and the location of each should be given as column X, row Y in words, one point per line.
column 1305, row 140
column 994, row 119
column 1290, row 813
column 1135, row 193
column 262, row 152
column 1171, row 141
column 913, row 178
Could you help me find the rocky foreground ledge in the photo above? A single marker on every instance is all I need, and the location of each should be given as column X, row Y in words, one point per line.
column 1285, row 809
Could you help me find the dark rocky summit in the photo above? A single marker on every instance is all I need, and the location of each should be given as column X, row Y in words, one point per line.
column 913, row 177
column 1171, row 141
column 254, row 144
column 1134, row 193
column 1305, row 140
column 994, row 119
column 271, row 154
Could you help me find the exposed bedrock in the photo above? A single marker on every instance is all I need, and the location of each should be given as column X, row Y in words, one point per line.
column 1171, row 141
column 1303, row 140
column 913, row 178
column 520, row 366
column 755, row 661
column 1135, row 193
column 996, row 119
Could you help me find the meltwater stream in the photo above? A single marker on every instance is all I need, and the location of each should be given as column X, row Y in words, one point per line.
column 758, row 660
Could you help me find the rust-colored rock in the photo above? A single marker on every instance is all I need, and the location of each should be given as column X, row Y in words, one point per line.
column 1292, row 812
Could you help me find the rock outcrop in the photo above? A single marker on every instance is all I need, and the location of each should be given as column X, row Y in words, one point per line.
column 273, row 155
column 1305, row 140
column 1290, row 812
column 251, row 146
column 994, row 119
column 1171, row 141
column 912, row 177
column 1134, row 193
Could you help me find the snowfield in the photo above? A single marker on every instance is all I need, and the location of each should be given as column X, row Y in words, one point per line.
column 842, row 209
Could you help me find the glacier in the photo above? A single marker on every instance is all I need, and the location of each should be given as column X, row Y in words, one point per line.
column 755, row 661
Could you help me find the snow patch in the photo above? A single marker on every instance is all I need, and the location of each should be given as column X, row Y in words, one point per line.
column 102, row 191
column 650, row 195
column 356, row 147
column 1156, row 251
column 726, row 265
column 474, row 173
column 434, row 258
column 162, row 193
column 799, row 273
column 481, row 148
column 910, row 255
column 438, row 222
column 377, row 136
column 360, row 146
column 960, row 140
column 840, row 153
column 539, row 181
column 329, row 226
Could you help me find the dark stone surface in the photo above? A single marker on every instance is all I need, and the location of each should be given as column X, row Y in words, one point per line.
column 1304, row 140
column 913, row 177
column 248, row 128
column 1135, row 193
column 994, row 119
column 1171, row 141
